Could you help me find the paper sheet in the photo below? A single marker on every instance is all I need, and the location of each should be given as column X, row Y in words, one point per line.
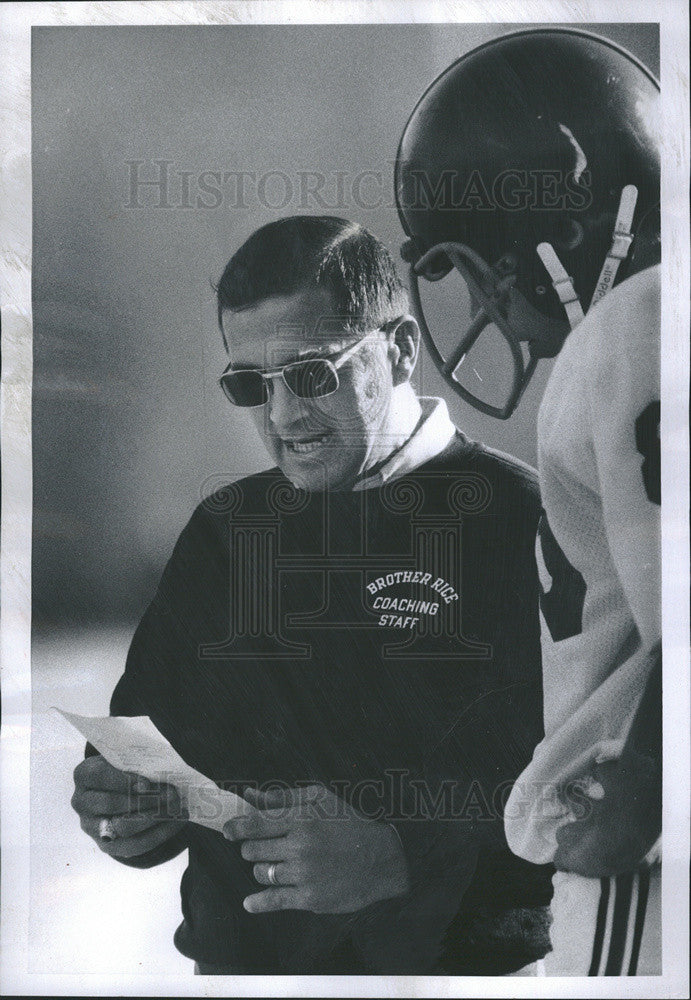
column 135, row 744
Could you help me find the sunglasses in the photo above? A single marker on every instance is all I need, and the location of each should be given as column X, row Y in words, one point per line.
column 311, row 378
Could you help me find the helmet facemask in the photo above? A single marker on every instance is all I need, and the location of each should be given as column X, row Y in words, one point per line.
column 495, row 291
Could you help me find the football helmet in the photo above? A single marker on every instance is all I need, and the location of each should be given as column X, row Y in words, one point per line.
column 530, row 166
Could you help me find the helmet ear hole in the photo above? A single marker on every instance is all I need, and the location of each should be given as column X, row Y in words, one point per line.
column 568, row 235
column 507, row 264
column 409, row 252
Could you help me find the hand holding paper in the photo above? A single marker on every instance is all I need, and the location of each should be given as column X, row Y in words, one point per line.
column 135, row 745
column 127, row 816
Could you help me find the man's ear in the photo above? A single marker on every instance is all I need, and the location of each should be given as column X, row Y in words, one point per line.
column 404, row 346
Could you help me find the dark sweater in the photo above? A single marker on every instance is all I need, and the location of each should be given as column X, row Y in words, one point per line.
column 263, row 658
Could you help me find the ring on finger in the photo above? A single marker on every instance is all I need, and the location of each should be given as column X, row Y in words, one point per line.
column 266, row 874
column 106, row 830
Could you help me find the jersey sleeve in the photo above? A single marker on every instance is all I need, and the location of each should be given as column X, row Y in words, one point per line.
column 624, row 404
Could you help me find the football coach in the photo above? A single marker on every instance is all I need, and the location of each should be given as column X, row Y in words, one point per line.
column 349, row 640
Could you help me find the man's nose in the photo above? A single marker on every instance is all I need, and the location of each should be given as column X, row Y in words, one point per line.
column 284, row 407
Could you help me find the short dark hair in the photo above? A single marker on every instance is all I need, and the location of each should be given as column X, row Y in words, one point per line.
column 320, row 251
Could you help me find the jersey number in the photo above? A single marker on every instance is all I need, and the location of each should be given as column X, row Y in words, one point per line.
column 648, row 445
column 562, row 604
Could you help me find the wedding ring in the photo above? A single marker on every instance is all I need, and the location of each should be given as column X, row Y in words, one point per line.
column 271, row 875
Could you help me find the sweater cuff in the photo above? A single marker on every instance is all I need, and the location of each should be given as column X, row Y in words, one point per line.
column 164, row 852
column 406, row 934
column 433, row 847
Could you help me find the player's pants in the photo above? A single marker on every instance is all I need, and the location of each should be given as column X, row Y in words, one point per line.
column 606, row 927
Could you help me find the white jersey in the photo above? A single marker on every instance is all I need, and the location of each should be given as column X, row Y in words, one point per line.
column 598, row 551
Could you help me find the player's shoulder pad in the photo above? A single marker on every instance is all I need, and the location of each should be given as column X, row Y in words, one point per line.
column 629, row 312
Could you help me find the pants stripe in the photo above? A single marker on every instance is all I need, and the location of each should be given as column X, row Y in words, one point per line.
column 600, row 927
column 643, row 888
column 620, row 923
column 631, row 925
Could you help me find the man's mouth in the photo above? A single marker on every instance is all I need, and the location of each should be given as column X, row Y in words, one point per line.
column 303, row 446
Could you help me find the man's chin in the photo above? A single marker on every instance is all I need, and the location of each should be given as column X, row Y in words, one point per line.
column 317, row 477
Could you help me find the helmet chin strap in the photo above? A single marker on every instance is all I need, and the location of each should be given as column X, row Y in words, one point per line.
column 621, row 244
column 562, row 284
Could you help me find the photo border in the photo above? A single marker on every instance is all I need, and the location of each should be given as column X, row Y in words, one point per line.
column 16, row 21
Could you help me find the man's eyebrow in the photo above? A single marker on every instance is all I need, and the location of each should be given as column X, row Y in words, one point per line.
column 306, row 354
column 315, row 352
column 330, row 347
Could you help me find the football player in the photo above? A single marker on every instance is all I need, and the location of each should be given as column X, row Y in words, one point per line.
column 531, row 166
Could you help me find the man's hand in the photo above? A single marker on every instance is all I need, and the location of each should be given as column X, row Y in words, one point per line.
column 622, row 822
column 142, row 815
column 327, row 857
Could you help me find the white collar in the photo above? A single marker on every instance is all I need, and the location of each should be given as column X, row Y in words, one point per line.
column 432, row 435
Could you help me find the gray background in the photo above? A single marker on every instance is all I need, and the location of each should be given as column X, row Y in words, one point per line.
column 130, row 429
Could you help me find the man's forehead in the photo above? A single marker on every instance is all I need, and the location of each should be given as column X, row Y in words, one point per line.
column 304, row 321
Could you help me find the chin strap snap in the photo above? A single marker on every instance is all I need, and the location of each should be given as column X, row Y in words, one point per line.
column 621, row 244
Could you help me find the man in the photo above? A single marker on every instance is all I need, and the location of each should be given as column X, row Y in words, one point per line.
column 545, row 142
column 350, row 640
